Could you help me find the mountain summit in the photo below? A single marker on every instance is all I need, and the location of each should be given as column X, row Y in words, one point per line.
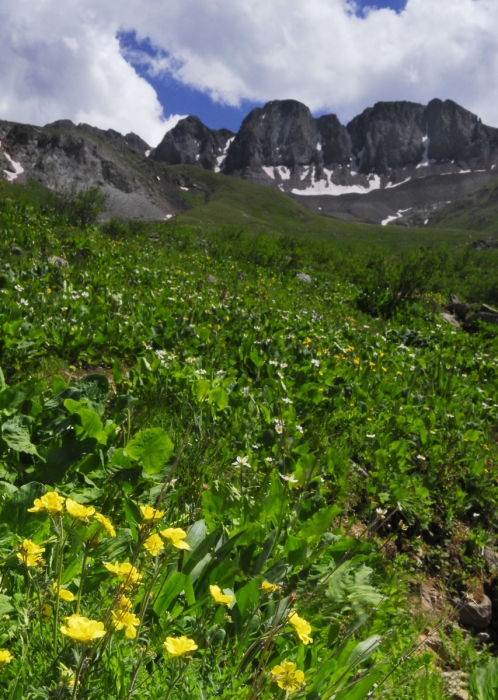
column 407, row 157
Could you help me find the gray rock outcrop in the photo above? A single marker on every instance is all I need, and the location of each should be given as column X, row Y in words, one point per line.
column 191, row 142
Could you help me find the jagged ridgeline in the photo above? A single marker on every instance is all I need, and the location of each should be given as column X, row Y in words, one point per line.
column 393, row 161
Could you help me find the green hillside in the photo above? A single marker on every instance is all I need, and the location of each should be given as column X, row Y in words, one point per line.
column 477, row 211
column 219, row 480
column 257, row 209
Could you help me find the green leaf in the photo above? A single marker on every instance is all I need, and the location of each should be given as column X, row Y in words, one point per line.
column 15, row 511
column 2, row 380
column 152, row 448
column 173, row 586
column 5, row 605
column 219, row 397
column 364, row 650
column 319, row 523
column 16, row 434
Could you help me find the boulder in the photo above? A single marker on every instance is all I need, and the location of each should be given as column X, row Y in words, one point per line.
column 486, row 309
column 471, row 321
column 491, row 558
column 459, row 308
column 449, row 318
column 302, row 277
column 57, row 261
column 212, row 279
column 477, row 615
column 16, row 251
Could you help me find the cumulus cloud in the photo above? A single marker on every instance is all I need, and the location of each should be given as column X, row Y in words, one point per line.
column 57, row 64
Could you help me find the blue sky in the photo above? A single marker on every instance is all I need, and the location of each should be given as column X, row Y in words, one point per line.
column 141, row 65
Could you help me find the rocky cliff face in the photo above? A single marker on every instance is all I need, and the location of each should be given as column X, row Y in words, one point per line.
column 395, row 152
column 190, row 142
column 62, row 155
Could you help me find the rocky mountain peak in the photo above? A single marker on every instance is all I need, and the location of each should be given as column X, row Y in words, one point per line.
column 191, row 142
column 283, row 133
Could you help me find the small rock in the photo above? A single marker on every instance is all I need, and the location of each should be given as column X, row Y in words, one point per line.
column 484, row 638
column 491, row 318
column 302, row 277
column 212, row 279
column 58, row 262
column 490, row 557
column 485, row 308
column 459, row 308
column 16, row 251
column 476, row 615
column 449, row 318
column 431, row 599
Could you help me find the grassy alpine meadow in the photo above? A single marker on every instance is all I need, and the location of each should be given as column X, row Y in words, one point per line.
column 220, row 480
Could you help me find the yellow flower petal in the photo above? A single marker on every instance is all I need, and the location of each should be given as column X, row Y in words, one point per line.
column 220, row 597
column 108, row 526
column 150, row 514
column 178, row 646
column 30, row 553
column 125, row 572
column 76, row 510
column 286, row 676
column 302, row 627
column 154, row 545
column 64, row 594
column 176, row 536
column 51, row 502
column 81, row 629
column 5, row 657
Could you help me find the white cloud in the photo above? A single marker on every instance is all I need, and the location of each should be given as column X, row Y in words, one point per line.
column 57, row 64
column 70, row 66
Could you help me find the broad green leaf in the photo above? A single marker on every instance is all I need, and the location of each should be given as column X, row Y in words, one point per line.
column 219, row 397
column 319, row 523
column 152, row 448
column 364, row 650
column 173, row 586
column 16, row 434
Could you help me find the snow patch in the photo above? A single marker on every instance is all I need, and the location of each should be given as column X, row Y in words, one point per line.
column 493, row 166
column 168, row 216
column 319, row 146
column 269, row 171
column 356, row 163
column 18, row 169
column 393, row 218
column 185, row 189
column 425, row 155
column 220, row 160
column 397, row 184
column 326, row 186
column 284, row 172
column 147, row 153
column 305, row 173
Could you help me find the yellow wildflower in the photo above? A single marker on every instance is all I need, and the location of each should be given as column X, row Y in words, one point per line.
column 50, row 501
column 125, row 572
column 46, row 612
column 220, row 597
column 179, row 646
column 76, row 510
column 302, row 627
column 5, row 657
column 268, row 587
column 30, row 553
column 151, row 515
column 106, row 523
column 154, row 545
column 176, row 536
column 81, row 629
column 64, row 594
column 128, row 620
column 124, row 603
column 286, row 676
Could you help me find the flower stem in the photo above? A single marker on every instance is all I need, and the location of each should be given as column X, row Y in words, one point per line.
column 80, row 589
column 58, row 563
